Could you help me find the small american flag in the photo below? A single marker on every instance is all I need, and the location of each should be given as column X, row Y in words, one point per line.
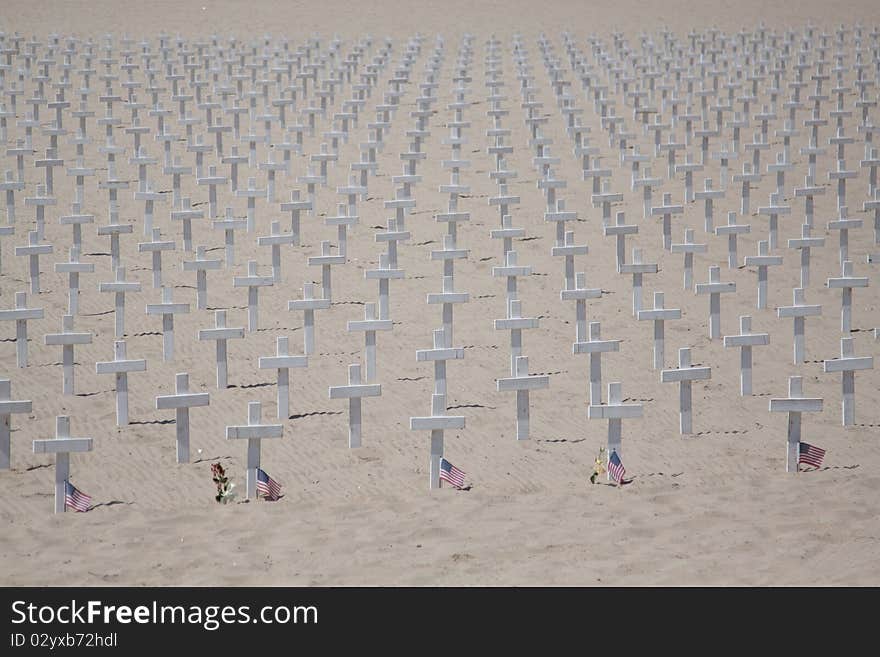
column 810, row 455
column 270, row 488
column 76, row 499
column 615, row 468
column 451, row 474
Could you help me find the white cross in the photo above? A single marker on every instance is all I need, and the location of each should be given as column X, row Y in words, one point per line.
column 185, row 214
column 308, row 304
column 325, row 261
column 615, row 411
column 666, row 210
column 220, row 333
column 67, row 339
column 181, row 401
column 620, row 230
column 355, row 391
column 441, row 352
column 805, row 243
column 34, row 250
column 342, row 221
column 871, row 162
column 121, row 366
column 875, row 206
column 762, row 261
column 176, row 170
column 568, row 250
column 795, row 404
column 647, row 183
column 847, row 365
column 156, row 247
column 685, row 375
column 282, row 361
column 799, row 310
column 73, row 268
column 708, row 196
column 253, row 283
column 295, row 206
column 841, row 175
column 637, row 268
column 579, row 293
column 62, row 445
column 659, row 315
column 504, row 200
column 369, row 325
column 49, row 162
column 254, row 432
column 229, row 225
column 846, row 282
column 200, row 266
column 606, row 198
column 688, row 248
column 844, row 224
column 506, row 233
column 747, row 177
column 10, row 186
column 436, row 423
column 213, row 180
column 774, row 210
column 252, row 194
column 595, row 347
column 732, row 230
column 745, row 341
column 114, row 231
column 21, row 314
column 714, row 288
column 7, row 408
column 522, row 382
column 77, row 219
column 689, row 167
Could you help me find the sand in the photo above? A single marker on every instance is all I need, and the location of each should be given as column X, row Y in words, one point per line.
column 715, row 507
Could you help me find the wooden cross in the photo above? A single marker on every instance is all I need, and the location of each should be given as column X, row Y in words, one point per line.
column 804, row 244
column 595, row 347
column 67, row 339
column 441, row 352
column 7, row 408
column 200, row 266
column 846, row 282
column 714, row 288
column 745, row 341
column 295, row 206
column 843, row 225
column 325, row 261
column 254, row 432
column 62, row 445
column 114, row 231
column 21, row 314
column 762, row 261
column 181, row 401
column 33, row 250
column 275, row 240
column 638, row 269
column 808, row 192
column 659, row 315
column 76, row 219
column 436, row 423
column 685, row 375
column 615, row 411
column 369, row 325
column 121, row 366
column 795, row 404
column 847, row 365
column 841, row 175
column 523, row 383
column 167, row 309
column 282, row 361
column 666, row 210
column 774, row 210
column 220, row 334
column 185, row 213
column 688, row 248
column 355, row 391
column 799, row 311
column 156, row 247
column 176, row 170
column 606, row 199
column 252, row 194
column 214, row 180
column 708, row 196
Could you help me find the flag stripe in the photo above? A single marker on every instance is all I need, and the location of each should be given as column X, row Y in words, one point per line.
column 615, row 467
column 267, row 486
column 450, row 473
column 810, row 455
column 76, row 499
